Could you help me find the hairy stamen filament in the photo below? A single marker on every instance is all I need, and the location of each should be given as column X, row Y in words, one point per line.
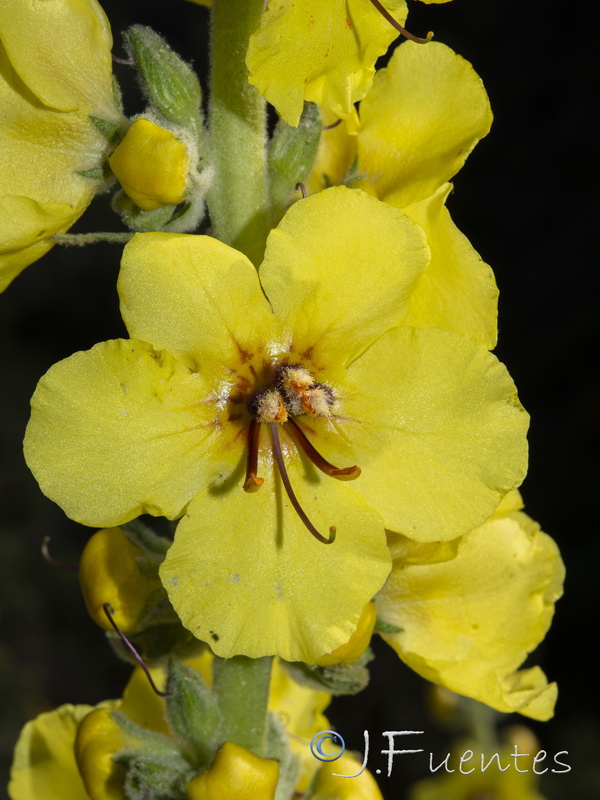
column 290, row 492
column 252, row 482
column 407, row 35
column 109, row 610
column 341, row 473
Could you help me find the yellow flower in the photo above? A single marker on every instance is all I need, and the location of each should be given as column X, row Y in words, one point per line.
column 55, row 72
column 356, row 645
column 322, row 51
column 168, row 422
column 423, row 116
column 151, row 164
column 329, row 786
column 472, row 609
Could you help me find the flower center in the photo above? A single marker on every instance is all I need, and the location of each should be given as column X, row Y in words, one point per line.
column 294, row 392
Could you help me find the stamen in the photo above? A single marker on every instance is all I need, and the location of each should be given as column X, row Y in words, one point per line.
column 407, row 35
column 47, row 557
column 109, row 610
column 333, row 125
column 290, row 492
column 341, row 473
column 300, row 187
column 252, row 482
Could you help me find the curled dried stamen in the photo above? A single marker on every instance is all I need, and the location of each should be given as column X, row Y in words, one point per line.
column 341, row 473
column 47, row 557
column 109, row 610
column 126, row 61
column 290, row 492
column 407, row 35
column 300, row 187
column 253, row 482
column 333, row 125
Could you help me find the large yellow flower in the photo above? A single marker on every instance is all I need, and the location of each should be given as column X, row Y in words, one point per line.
column 471, row 610
column 55, row 72
column 423, row 116
column 218, row 382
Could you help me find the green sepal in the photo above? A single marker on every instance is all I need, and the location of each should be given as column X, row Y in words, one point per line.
column 157, row 778
column 381, row 626
column 278, row 748
column 159, row 641
column 117, row 94
column 292, row 153
column 167, row 81
column 145, row 539
column 99, row 173
column 181, row 218
column 193, row 713
column 338, row 679
column 111, row 132
column 149, row 743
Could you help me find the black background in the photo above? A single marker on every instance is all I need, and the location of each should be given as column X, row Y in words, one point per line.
column 525, row 200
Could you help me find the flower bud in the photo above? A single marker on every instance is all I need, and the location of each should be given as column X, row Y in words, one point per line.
column 109, row 573
column 97, row 740
column 235, row 772
column 152, row 165
column 357, row 644
column 361, row 787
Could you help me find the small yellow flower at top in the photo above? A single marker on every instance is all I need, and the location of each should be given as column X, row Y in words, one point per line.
column 151, row 164
column 357, row 644
column 235, row 773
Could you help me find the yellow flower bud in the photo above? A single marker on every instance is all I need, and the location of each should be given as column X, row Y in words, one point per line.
column 363, row 787
column 151, row 164
column 235, row 772
column 108, row 573
column 97, row 740
column 357, row 644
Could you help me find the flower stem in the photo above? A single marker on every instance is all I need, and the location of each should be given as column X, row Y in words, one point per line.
column 238, row 199
column 81, row 239
column 242, row 688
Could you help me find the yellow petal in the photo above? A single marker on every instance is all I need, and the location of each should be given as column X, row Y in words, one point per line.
column 329, row 785
column 151, row 164
column 235, row 773
column 195, row 297
column 118, row 431
column 97, row 741
column 319, row 50
column 336, row 152
column 245, row 575
column 457, row 292
column 109, row 573
column 420, row 121
column 434, row 422
column 61, row 49
column 44, row 762
column 335, row 284
column 472, row 610
column 25, row 228
column 356, row 645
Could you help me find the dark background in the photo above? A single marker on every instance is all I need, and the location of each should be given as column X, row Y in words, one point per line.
column 524, row 199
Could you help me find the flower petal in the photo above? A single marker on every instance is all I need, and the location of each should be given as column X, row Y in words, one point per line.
column 471, row 610
column 423, row 116
column 435, row 424
column 195, row 297
column 44, row 762
column 333, row 282
column 25, row 228
column 75, row 71
column 245, row 575
column 457, row 292
column 319, row 50
column 121, row 430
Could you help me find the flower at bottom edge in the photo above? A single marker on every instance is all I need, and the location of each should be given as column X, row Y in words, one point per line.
column 471, row 610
